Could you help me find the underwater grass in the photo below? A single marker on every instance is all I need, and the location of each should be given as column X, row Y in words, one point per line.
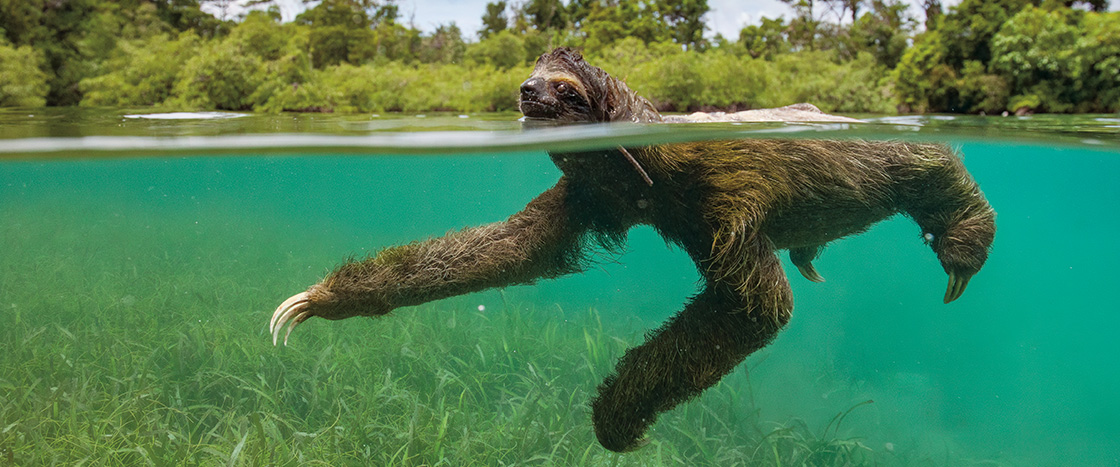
column 134, row 340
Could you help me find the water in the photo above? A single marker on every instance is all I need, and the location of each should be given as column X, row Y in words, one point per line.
column 142, row 257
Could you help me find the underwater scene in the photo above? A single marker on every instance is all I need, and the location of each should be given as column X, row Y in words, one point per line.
column 142, row 256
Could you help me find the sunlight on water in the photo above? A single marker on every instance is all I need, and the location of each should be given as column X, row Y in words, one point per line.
column 187, row 115
column 97, row 133
column 135, row 294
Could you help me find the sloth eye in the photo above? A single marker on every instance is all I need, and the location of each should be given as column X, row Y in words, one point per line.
column 563, row 88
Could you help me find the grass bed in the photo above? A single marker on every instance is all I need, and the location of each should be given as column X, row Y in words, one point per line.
column 129, row 341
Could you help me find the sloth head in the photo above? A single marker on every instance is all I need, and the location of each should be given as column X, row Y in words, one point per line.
column 563, row 88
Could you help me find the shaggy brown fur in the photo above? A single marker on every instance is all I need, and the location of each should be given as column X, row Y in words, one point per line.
column 729, row 204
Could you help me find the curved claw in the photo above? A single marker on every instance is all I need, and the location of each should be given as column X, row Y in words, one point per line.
column 810, row 272
column 957, row 283
column 299, row 318
column 294, row 310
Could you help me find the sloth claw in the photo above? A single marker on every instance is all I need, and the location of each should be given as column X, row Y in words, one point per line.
column 957, row 283
column 810, row 272
column 293, row 311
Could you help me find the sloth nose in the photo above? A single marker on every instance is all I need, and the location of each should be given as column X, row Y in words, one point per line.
column 532, row 88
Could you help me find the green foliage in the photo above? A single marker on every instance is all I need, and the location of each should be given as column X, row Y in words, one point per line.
column 968, row 28
column 356, row 88
column 275, row 96
column 184, row 15
column 22, row 83
column 819, row 78
column 222, row 76
column 357, row 31
column 1035, row 51
column 352, row 14
column 980, row 91
column 605, row 25
column 1051, row 59
column 494, row 21
column 914, row 78
column 685, row 19
column 287, row 83
column 883, row 31
column 765, row 40
column 141, row 72
column 805, row 25
column 446, row 45
column 1099, row 50
column 263, row 35
column 396, row 87
column 546, row 15
column 502, row 50
column 1025, row 101
column 676, row 80
column 924, row 82
column 390, row 41
column 77, row 37
column 982, row 56
column 71, row 37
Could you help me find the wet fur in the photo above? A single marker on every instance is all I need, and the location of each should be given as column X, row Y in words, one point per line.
column 729, row 204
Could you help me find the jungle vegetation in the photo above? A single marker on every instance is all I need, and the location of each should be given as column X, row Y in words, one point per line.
column 979, row 56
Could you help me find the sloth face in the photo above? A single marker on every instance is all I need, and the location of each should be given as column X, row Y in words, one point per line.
column 557, row 90
column 558, row 98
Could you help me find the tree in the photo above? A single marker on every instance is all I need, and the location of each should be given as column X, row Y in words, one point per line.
column 920, row 74
column 72, row 37
column 262, row 34
column 390, row 41
column 445, row 45
column 883, row 31
column 1092, row 5
column 388, row 12
column 222, row 6
column 502, row 50
column 968, row 28
column 606, row 24
column 22, row 83
column 765, row 40
column 844, row 8
column 357, row 31
column 184, row 15
column 141, row 71
column 933, row 12
column 803, row 27
column 546, row 15
column 686, row 20
column 494, row 21
column 578, row 10
column 223, row 76
column 1098, row 50
column 1036, row 51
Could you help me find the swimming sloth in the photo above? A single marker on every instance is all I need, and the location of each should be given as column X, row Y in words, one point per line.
column 731, row 205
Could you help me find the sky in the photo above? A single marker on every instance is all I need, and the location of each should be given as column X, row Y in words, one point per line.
column 726, row 17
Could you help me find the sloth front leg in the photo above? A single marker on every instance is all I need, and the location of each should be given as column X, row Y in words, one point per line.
column 540, row 241
column 735, row 315
column 956, row 220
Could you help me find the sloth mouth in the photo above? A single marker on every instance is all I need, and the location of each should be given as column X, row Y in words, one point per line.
column 535, row 109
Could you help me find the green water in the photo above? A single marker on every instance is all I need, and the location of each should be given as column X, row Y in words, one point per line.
column 136, row 285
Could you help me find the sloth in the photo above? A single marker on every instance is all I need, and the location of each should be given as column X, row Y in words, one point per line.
column 730, row 205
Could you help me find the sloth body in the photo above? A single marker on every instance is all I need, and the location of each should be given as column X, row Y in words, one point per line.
column 729, row 204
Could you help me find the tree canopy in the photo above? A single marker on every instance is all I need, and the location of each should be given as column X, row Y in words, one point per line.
column 358, row 55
